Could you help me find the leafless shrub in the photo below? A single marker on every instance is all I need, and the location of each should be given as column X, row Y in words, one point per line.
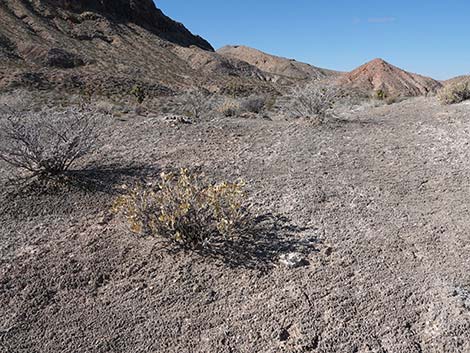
column 314, row 101
column 196, row 103
column 253, row 104
column 47, row 143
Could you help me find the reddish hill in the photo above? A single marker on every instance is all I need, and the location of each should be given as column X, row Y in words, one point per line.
column 380, row 75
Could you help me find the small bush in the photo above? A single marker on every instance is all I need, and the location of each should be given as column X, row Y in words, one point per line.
column 139, row 93
column 253, row 104
column 393, row 99
column 314, row 101
column 455, row 93
column 381, row 95
column 104, row 107
column 196, row 103
column 184, row 209
column 47, row 143
column 230, row 107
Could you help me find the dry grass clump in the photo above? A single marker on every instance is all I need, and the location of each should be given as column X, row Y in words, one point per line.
column 313, row 101
column 230, row 107
column 48, row 143
column 184, row 209
column 104, row 107
column 455, row 92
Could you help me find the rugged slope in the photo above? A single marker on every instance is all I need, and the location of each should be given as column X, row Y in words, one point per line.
column 380, row 75
column 106, row 46
column 276, row 65
column 214, row 63
column 140, row 12
column 458, row 79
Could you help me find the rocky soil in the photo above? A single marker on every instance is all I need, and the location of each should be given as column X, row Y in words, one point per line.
column 376, row 203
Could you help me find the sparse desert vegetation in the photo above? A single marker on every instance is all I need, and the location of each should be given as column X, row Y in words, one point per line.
column 47, row 143
column 157, row 195
column 314, row 101
column 184, row 209
column 456, row 92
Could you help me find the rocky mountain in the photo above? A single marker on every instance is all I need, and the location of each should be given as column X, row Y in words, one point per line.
column 140, row 12
column 379, row 75
column 106, row 45
column 275, row 65
column 210, row 62
column 109, row 46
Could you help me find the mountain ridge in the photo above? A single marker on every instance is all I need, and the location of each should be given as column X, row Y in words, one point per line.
column 276, row 65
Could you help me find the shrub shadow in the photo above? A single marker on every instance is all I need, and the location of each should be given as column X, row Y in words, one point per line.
column 92, row 178
column 104, row 179
column 259, row 243
column 76, row 191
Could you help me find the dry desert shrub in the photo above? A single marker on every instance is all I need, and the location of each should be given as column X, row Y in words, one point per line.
column 230, row 107
column 455, row 92
column 313, row 101
column 381, row 95
column 47, row 143
column 139, row 93
column 196, row 103
column 184, row 209
column 17, row 100
column 104, row 107
column 253, row 104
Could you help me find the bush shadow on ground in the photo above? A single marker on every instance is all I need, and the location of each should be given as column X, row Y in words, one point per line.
column 89, row 189
column 259, row 243
column 92, row 178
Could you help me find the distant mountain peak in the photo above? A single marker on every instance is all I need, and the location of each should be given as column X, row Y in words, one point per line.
column 378, row 74
column 379, row 61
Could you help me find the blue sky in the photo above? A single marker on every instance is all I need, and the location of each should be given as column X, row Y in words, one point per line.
column 430, row 37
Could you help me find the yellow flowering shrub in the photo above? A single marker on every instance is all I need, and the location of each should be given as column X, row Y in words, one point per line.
column 183, row 208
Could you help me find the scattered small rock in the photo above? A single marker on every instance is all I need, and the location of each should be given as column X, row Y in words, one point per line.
column 248, row 115
column 177, row 119
column 293, row 260
column 328, row 251
column 284, row 335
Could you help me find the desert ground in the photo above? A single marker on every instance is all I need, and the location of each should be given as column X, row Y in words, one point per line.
column 376, row 200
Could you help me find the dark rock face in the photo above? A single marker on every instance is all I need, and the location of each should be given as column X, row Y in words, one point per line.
column 7, row 48
column 141, row 12
column 61, row 58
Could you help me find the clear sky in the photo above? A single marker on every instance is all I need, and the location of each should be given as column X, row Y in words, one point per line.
column 430, row 37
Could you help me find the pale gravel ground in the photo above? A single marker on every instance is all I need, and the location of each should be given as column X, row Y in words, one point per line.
column 379, row 202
